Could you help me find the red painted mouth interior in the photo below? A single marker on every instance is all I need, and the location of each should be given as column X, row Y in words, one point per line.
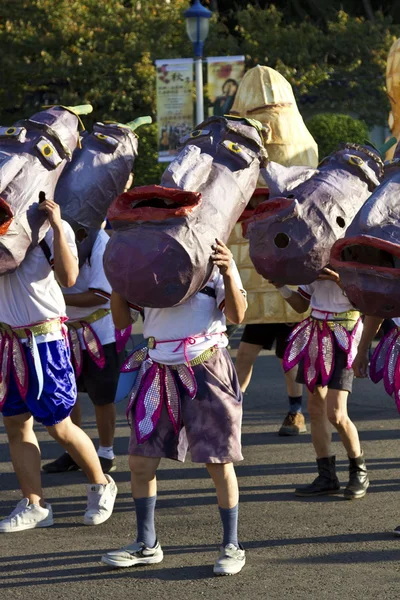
column 368, row 254
column 267, row 209
column 6, row 216
column 153, row 203
column 260, row 195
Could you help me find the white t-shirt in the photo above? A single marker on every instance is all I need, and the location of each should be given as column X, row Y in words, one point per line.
column 325, row 296
column 92, row 277
column 201, row 318
column 31, row 294
column 396, row 321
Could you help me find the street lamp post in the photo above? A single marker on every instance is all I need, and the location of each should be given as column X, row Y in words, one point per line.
column 197, row 26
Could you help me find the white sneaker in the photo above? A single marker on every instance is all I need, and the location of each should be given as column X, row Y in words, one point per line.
column 27, row 516
column 135, row 554
column 101, row 499
column 230, row 561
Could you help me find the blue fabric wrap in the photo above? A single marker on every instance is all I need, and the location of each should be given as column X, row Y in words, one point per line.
column 59, row 391
column 126, row 382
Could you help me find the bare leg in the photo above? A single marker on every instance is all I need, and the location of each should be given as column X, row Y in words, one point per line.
column 80, row 447
column 25, row 456
column 226, row 485
column 143, row 476
column 321, row 431
column 294, row 389
column 245, row 359
column 338, row 416
column 105, row 419
column 76, row 414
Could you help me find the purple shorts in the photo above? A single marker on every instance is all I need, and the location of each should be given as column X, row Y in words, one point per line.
column 211, row 422
column 59, row 387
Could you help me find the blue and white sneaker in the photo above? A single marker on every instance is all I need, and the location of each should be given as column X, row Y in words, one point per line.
column 134, row 554
column 230, row 561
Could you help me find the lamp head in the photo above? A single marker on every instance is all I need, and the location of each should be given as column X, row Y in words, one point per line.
column 197, row 25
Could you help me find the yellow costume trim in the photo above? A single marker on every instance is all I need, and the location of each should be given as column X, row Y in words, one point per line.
column 40, row 329
column 98, row 314
column 348, row 319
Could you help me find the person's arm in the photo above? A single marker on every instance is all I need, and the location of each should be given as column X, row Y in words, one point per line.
column 371, row 328
column 120, row 311
column 298, row 302
column 66, row 267
column 84, row 299
column 235, row 301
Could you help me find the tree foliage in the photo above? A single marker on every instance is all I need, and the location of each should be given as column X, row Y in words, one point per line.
column 330, row 129
column 103, row 52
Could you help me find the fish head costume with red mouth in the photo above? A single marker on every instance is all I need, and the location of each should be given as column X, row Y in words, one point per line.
column 291, row 235
column 96, row 175
column 33, row 154
column 368, row 257
column 160, row 253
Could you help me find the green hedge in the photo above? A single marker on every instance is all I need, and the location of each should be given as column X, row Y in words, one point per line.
column 329, row 129
column 147, row 170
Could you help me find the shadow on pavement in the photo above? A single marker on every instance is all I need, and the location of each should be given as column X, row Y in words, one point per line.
column 72, row 571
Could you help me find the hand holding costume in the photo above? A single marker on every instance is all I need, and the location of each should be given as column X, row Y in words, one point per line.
column 33, row 153
column 159, row 254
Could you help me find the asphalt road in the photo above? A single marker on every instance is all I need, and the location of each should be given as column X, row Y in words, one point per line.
column 326, row 548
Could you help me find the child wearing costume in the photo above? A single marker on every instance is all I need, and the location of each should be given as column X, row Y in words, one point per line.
column 324, row 345
column 96, row 356
column 37, row 378
column 186, row 395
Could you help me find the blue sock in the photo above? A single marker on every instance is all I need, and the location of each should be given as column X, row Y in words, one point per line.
column 295, row 404
column 146, row 532
column 229, row 518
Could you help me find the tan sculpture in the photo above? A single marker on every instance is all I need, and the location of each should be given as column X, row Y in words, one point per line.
column 393, row 91
column 265, row 95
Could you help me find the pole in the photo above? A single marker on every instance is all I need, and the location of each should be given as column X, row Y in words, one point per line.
column 199, row 90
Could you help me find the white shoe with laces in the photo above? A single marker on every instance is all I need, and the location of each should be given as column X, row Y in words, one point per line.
column 101, row 499
column 27, row 516
column 230, row 561
column 134, row 554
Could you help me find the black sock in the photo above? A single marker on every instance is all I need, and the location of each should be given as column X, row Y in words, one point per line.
column 295, row 403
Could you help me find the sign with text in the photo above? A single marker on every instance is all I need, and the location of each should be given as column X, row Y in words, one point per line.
column 174, row 104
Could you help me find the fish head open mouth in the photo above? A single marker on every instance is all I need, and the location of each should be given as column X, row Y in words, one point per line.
column 291, row 234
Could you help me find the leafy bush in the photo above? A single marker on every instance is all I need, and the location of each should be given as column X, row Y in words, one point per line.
column 147, row 170
column 329, row 130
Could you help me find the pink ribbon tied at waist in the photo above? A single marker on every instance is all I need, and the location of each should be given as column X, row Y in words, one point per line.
column 156, row 385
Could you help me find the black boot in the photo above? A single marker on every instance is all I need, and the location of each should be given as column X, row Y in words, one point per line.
column 326, row 483
column 358, row 482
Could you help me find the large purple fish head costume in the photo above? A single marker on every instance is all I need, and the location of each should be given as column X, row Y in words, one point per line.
column 291, row 235
column 159, row 255
column 33, row 154
column 368, row 258
column 96, row 176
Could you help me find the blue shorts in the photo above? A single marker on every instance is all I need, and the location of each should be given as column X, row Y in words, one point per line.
column 59, row 388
